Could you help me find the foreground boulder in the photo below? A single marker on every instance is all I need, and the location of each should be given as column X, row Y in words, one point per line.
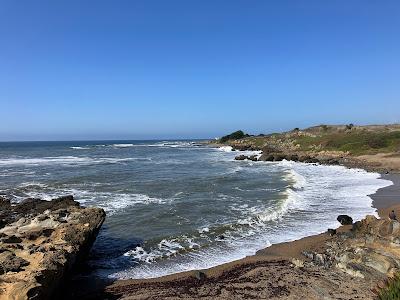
column 345, row 220
column 40, row 242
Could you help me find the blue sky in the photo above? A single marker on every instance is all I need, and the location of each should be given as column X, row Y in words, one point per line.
column 194, row 69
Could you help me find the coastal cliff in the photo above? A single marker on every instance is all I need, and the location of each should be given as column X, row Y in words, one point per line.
column 40, row 242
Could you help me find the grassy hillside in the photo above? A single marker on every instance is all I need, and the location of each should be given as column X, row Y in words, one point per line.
column 354, row 140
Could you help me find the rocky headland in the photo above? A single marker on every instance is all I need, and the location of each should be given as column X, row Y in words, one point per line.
column 41, row 242
column 373, row 147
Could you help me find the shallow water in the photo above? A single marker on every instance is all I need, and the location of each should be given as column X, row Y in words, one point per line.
column 177, row 205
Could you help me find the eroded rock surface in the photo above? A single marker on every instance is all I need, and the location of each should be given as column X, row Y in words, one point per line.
column 40, row 241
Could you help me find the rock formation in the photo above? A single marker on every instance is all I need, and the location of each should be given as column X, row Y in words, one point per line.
column 40, row 242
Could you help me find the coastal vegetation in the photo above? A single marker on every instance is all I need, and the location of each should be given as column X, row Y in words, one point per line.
column 233, row 136
column 351, row 139
column 392, row 290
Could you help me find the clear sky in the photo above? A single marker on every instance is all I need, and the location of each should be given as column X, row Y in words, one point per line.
column 194, row 69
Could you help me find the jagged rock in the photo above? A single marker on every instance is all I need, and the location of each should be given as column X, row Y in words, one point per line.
column 9, row 262
column 42, row 241
column 345, row 220
column 331, row 231
column 253, row 157
column 241, row 157
column 245, row 157
column 266, row 157
column 11, row 240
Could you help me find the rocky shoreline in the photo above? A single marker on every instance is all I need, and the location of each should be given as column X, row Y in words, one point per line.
column 351, row 263
column 322, row 157
column 40, row 244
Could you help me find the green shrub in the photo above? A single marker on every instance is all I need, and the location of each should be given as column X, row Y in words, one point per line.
column 377, row 142
column 233, row 136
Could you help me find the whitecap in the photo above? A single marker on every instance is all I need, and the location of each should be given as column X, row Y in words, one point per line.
column 225, row 148
column 123, row 145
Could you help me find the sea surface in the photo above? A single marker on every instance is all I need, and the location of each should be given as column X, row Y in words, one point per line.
column 179, row 205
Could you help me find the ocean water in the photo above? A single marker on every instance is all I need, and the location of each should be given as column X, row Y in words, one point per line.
column 178, row 205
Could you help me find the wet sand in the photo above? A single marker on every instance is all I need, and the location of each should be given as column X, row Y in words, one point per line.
column 384, row 199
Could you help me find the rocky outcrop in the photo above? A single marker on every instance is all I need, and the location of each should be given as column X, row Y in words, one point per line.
column 246, row 157
column 345, row 220
column 40, row 242
column 370, row 250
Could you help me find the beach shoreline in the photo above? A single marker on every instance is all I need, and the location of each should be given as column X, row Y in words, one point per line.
column 384, row 200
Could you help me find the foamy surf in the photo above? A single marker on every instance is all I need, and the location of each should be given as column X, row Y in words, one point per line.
column 225, row 148
column 66, row 160
column 308, row 186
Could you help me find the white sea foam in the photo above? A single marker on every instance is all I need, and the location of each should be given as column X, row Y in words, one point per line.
column 123, row 145
column 80, row 148
column 65, row 160
column 299, row 180
column 225, row 148
column 32, row 184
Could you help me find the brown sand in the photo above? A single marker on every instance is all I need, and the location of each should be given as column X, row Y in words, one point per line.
column 382, row 161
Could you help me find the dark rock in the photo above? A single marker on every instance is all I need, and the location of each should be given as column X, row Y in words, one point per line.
column 253, row 158
column 245, row 157
column 4, row 203
column 332, row 161
column 331, row 232
column 9, row 262
column 241, row 157
column 279, row 157
column 244, row 147
column 356, row 226
column 304, row 158
column 345, row 220
column 12, row 240
column 33, row 235
column 200, row 275
column 270, row 158
column 266, row 157
column 311, row 160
